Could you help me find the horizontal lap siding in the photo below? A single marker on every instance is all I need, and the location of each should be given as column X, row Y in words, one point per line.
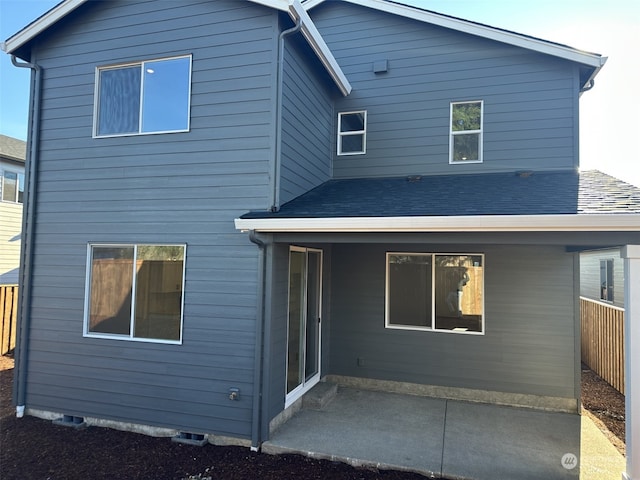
column 307, row 123
column 590, row 275
column 10, row 239
column 171, row 188
column 529, row 99
column 529, row 324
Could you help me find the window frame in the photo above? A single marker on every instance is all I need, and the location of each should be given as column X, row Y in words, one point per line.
column 433, row 255
column 131, row 337
column 609, row 266
column 479, row 132
column 141, row 63
column 18, row 174
column 362, row 132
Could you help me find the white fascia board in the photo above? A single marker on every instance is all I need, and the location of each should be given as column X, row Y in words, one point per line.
column 41, row 24
column 465, row 26
column 488, row 223
column 318, row 45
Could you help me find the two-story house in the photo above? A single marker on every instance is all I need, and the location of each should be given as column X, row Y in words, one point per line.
column 234, row 200
column 12, row 154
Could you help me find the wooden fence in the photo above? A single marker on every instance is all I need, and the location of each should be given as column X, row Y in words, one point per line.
column 602, row 340
column 8, row 317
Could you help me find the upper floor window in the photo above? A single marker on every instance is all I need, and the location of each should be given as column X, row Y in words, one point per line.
column 135, row 292
column 12, row 187
column 606, row 280
column 466, row 132
column 143, row 97
column 352, row 133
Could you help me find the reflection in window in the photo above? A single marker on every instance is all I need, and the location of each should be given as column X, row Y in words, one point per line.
column 606, row 280
column 146, row 97
column 352, row 133
column 466, row 132
column 13, row 187
column 135, row 291
column 435, row 292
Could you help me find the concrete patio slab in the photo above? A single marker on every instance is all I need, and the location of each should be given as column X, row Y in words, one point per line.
column 488, row 442
column 362, row 427
column 434, row 436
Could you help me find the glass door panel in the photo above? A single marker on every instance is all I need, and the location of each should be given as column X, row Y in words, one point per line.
column 295, row 354
column 303, row 329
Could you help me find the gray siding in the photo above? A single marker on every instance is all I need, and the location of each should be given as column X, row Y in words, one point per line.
column 529, row 99
column 171, row 188
column 307, row 122
column 590, row 275
column 529, row 324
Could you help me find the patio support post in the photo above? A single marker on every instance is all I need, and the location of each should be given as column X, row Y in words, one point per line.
column 631, row 256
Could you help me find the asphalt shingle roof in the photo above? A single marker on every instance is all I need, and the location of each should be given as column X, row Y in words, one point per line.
column 523, row 193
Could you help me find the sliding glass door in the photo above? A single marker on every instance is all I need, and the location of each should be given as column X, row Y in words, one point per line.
column 303, row 329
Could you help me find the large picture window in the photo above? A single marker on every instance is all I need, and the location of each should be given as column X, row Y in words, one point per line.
column 427, row 291
column 466, row 132
column 143, row 97
column 135, row 292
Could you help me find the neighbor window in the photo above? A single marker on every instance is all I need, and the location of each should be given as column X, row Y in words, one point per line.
column 426, row 291
column 135, row 292
column 143, row 97
column 606, row 280
column 13, row 187
column 352, row 133
column 466, row 132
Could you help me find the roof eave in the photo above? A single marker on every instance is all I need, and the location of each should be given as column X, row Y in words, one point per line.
column 479, row 223
column 39, row 25
column 293, row 7
column 319, row 46
column 591, row 59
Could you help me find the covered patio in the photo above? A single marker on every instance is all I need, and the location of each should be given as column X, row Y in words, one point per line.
column 434, row 436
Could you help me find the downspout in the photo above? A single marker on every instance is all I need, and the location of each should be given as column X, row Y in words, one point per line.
column 275, row 206
column 28, row 230
column 256, row 433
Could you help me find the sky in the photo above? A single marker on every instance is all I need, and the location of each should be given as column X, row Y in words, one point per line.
column 607, row 27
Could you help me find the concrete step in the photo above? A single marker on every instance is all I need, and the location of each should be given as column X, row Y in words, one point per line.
column 319, row 396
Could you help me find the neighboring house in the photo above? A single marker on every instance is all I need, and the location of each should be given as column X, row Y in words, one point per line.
column 602, row 276
column 406, row 198
column 12, row 155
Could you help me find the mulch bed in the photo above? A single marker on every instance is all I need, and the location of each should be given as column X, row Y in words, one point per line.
column 35, row 449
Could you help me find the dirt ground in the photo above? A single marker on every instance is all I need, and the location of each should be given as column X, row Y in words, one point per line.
column 35, row 449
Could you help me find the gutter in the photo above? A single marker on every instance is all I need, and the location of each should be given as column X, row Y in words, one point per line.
column 275, row 205
column 603, row 222
column 256, row 428
column 28, row 229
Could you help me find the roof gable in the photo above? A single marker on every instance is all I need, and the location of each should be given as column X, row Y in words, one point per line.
column 292, row 7
column 593, row 61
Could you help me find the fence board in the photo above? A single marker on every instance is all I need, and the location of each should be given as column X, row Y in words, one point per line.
column 8, row 317
column 602, row 340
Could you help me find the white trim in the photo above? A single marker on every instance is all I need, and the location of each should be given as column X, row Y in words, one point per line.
column 318, row 45
column 87, row 294
column 362, row 132
column 142, row 65
column 485, row 31
column 19, row 172
column 480, row 223
column 39, row 25
column 432, row 328
column 453, row 134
